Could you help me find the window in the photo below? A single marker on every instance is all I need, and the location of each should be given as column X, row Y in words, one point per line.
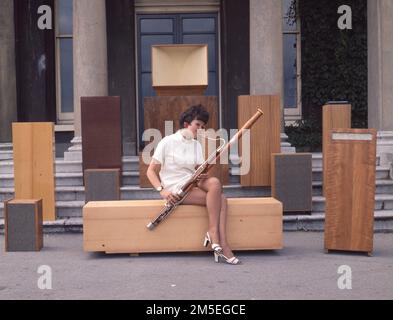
column 64, row 62
column 292, row 58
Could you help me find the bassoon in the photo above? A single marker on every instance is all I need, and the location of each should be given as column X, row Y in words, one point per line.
column 202, row 169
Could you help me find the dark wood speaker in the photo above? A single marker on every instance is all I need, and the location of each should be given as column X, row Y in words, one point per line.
column 101, row 133
column 23, row 225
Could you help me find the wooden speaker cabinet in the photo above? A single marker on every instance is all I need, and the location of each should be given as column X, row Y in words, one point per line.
column 23, row 225
column 180, row 70
column 159, row 110
column 265, row 137
column 292, row 181
column 101, row 133
column 34, row 168
column 350, row 190
column 336, row 115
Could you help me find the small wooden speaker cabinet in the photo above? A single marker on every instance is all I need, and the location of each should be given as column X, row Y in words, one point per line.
column 23, row 225
column 292, row 181
column 34, row 165
column 350, row 190
column 336, row 115
column 102, row 184
column 180, row 70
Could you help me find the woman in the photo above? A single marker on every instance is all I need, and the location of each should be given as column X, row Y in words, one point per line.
column 174, row 161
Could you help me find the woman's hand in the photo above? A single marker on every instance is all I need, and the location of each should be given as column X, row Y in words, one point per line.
column 203, row 176
column 169, row 197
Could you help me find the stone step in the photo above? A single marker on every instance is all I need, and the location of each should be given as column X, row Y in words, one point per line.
column 384, row 186
column 5, row 146
column 70, row 179
column 383, row 222
column 381, row 173
column 6, row 155
column 382, row 202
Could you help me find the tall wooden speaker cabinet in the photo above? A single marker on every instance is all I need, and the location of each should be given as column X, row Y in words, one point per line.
column 336, row 115
column 34, row 165
column 350, row 190
column 264, row 139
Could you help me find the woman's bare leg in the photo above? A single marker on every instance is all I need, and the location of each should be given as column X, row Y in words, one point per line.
column 223, row 224
column 212, row 187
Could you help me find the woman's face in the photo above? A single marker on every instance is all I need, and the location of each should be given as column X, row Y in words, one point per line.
column 194, row 126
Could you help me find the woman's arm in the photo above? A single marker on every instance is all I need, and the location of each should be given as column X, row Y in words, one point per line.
column 152, row 173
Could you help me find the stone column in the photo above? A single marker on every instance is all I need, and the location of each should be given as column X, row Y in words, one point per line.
column 90, row 61
column 266, row 53
column 266, row 47
column 380, row 74
column 8, row 104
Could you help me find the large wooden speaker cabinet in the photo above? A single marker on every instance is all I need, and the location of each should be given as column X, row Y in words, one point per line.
column 23, row 225
column 34, row 167
column 292, row 181
column 180, row 70
column 264, row 137
column 336, row 115
column 159, row 110
column 350, row 190
column 101, row 133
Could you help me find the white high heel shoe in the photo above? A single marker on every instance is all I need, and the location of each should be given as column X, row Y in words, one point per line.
column 215, row 246
column 233, row 260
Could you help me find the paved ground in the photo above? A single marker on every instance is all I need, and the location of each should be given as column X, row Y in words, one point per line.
column 300, row 271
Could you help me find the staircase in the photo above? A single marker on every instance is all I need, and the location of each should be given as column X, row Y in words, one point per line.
column 70, row 193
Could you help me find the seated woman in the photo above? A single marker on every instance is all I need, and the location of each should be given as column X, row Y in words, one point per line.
column 174, row 161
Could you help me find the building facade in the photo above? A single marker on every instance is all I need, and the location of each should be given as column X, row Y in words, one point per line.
column 99, row 48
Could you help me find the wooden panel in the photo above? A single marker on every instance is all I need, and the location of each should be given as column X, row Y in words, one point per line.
column 161, row 109
column 181, row 91
column 34, row 164
column 350, row 191
column 335, row 116
column 101, row 133
column 120, row 226
column 264, row 137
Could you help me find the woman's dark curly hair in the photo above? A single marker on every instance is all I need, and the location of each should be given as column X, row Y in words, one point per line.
column 197, row 112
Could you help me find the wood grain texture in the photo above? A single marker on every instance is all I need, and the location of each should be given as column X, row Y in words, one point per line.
column 34, row 164
column 120, row 226
column 158, row 110
column 350, row 193
column 180, row 91
column 264, row 137
column 335, row 116
column 101, row 133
